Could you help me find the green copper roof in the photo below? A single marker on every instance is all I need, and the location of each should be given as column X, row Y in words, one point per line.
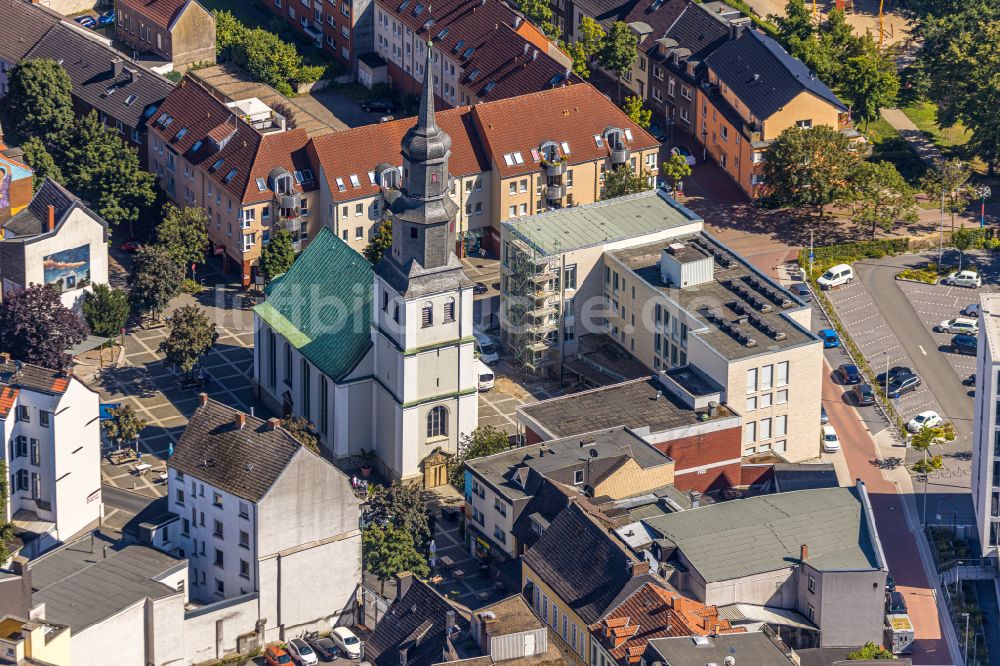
column 322, row 305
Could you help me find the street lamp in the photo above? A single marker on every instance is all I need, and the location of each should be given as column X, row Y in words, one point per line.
column 966, row 659
column 983, row 192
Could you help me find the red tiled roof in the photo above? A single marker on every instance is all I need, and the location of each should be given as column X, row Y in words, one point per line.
column 161, row 12
column 357, row 151
column 573, row 114
column 8, row 395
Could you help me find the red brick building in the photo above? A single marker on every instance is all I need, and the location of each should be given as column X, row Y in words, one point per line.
column 342, row 28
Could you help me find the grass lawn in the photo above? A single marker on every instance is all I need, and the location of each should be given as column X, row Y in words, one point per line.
column 889, row 146
column 924, row 116
column 248, row 12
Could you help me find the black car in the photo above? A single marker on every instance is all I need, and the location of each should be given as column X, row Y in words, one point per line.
column 324, row 646
column 890, row 584
column 964, row 344
column 896, row 371
column 378, row 106
column 895, row 604
column 849, row 374
column 970, row 380
column 801, row 289
column 903, row 384
column 480, row 288
column 864, row 395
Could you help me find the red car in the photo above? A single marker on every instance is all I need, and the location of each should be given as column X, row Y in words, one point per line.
column 275, row 655
column 131, row 246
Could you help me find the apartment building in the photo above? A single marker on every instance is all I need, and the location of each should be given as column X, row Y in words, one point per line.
column 23, row 25
column 33, row 642
column 49, row 420
column 260, row 514
column 180, row 32
column 483, row 50
column 122, row 92
column 238, row 162
column 342, row 28
column 986, row 428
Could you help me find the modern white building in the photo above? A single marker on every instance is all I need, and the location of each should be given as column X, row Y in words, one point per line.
column 259, row 515
column 380, row 359
column 986, row 427
column 50, row 422
column 56, row 240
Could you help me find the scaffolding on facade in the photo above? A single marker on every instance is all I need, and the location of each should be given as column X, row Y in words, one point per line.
column 531, row 304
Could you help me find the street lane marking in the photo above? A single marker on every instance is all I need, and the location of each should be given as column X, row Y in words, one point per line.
column 920, row 347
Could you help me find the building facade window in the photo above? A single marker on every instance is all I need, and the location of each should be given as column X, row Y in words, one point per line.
column 437, row 422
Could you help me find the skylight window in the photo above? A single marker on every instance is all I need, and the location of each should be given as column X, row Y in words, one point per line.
column 489, row 86
column 628, row 134
column 518, row 159
column 149, row 112
column 403, row 6
column 441, row 35
column 535, row 155
column 371, row 177
column 474, row 74
column 354, row 180
column 458, row 46
column 196, row 146
column 340, row 185
column 166, row 123
column 565, row 148
column 508, row 159
column 419, row 9
column 180, row 135
column 162, row 119
column 261, row 184
column 229, row 176
column 298, row 177
column 599, row 140
column 218, row 163
column 468, row 52
column 130, row 99
column 307, row 176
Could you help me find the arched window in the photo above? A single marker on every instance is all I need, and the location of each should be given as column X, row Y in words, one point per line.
column 437, row 422
column 449, row 310
column 427, row 314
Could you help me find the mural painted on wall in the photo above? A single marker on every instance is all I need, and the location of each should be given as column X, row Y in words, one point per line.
column 15, row 187
column 68, row 269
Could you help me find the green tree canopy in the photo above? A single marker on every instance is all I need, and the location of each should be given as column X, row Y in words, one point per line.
column 483, row 441
column 963, row 239
column 124, row 425
column 809, row 167
column 278, row 255
column 618, row 51
column 880, row 197
column 389, row 550
column 183, row 233
column 796, row 24
column 581, row 62
column 105, row 310
column 39, row 99
column 35, row 327
column 675, row 169
column 302, row 430
column 191, row 336
column 590, row 35
column 623, row 180
column 37, row 156
column 380, row 241
column 948, row 181
column 872, row 81
column 870, row 651
column 539, row 12
column 636, row 113
column 401, row 505
column 156, row 277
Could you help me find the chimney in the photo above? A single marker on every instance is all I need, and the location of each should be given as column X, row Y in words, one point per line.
column 240, row 420
column 534, row 54
column 5, row 357
column 273, row 423
column 695, row 498
column 403, row 581
column 202, row 399
column 52, row 218
column 527, row 47
column 403, row 655
column 804, row 552
column 19, row 565
column 638, row 568
column 713, row 407
column 517, row 24
column 449, row 622
column 116, row 67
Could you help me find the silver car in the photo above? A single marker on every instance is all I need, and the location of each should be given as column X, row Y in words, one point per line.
column 959, row 325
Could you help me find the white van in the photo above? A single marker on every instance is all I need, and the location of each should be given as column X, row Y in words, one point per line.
column 486, row 349
column 836, row 276
column 831, row 443
column 484, row 376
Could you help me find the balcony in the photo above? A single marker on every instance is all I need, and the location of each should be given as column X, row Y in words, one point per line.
column 556, row 168
column 288, row 201
column 620, row 155
column 555, row 192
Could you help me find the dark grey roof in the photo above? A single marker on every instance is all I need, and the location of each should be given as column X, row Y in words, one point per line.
column 803, row 476
column 88, row 63
column 590, row 589
column 749, row 648
column 546, row 504
column 33, row 219
column 417, row 621
column 763, row 75
column 33, row 377
column 243, row 461
column 104, row 587
column 699, row 31
column 838, row 657
column 22, row 26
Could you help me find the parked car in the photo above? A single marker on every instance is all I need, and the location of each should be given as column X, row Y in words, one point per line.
column 131, row 246
column 824, row 418
column 107, row 18
column 964, row 344
column 275, row 655
column 485, row 347
column 480, row 288
column 829, row 338
column 688, row 157
column 323, row 646
column 969, row 279
column 87, row 21
column 896, row 371
column 485, row 375
column 970, row 380
column 347, row 642
column 864, row 394
column 378, row 106
column 959, row 325
column 971, row 310
column 836, row 276
column 896, row 604
column 801, row 289
column 928, row 419
column 301, row 653
column 831, row 444
column 890, row 584
column 903, row 384
column 849, row 374
column 658, row 132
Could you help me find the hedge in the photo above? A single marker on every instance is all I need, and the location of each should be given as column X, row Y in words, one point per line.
column 848, row 253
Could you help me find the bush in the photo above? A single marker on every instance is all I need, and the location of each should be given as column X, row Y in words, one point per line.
column 848, row 253
column 929, row 274
column 189, row 286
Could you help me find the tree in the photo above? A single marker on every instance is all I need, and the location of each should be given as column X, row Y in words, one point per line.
column 40, row 99
column 880, row 197
column 618, row 51
column 963, row 239
column 796, row 24
column 483, row 441
column 402, row 506
column 947, row 181
column 302, row 430
column 870, row 651
column 581, row 62
column 380, row 242
column 389, row 550
column 278, row 255
column 183, row 234
column 41, row 161
column 105, row 310
column 155, row 278
column 539, row 12
column 623, row 180
column 35, row 327
column 809, row 167
column 872, row 81
column 675, row 169
column 590, row 35
column 101, row 168
column 191, row 336
column 124, row 425
column 633, row 109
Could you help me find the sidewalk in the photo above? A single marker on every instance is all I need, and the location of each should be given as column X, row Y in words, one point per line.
column 927, row 151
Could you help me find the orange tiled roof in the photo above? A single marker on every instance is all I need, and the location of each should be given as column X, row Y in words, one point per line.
column 8, row 395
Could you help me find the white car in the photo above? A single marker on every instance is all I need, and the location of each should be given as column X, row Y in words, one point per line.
column 970, row 279
column 301, row 653
column 928, row 419
column 836, row 276
column 959, row 325
column 831, row 443
column 971, row 310
column 347, row 642
column 688, row 157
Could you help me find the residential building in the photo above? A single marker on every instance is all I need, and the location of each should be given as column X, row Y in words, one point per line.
column 482, row 52
column 752, row 90
column 259, row 514
column 704, row 443
column 238, row 161
column 49, row 420
column 16, row 181
column 813, row 552
column 122, row 92
column 23, row 25
column 57, row 241
column 406, row 386
column 612, row 464
column 986, row 428
column 32, row 642
column 15, row 588
column 180, row 32
column 757, row 648
column 342, row 29
column 574, row 575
